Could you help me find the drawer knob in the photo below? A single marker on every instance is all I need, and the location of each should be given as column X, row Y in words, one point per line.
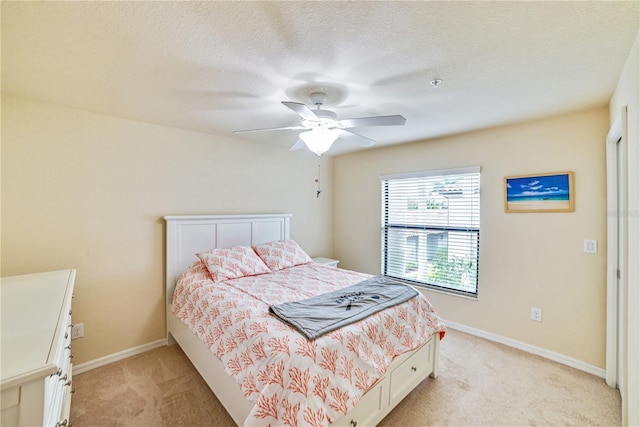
column 61, row 423
column 353, row 423
column 66, row 335
column 73, row 390
column 414, row 369
column 63, row 378
column 68, row 383
column 58, row 372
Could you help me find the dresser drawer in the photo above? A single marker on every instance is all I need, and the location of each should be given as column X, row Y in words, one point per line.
column 410, row 373
column 65, row 407
column 65, row 417
column 57, row 386
column 62, row 348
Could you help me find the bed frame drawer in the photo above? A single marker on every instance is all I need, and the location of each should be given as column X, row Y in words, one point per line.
column 410, row 373
column 367, row 412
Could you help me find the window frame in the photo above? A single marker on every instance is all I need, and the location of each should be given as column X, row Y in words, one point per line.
column 387, row 227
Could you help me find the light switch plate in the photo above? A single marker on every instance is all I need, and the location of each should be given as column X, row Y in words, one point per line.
column 590, row 246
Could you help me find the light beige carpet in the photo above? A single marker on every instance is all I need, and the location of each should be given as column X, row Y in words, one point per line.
column 481, row 383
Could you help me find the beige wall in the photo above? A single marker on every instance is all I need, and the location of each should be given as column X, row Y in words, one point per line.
column 86, row 191
column 628, row 94
column 526, row 259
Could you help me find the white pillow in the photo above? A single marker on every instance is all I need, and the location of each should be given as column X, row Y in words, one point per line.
column 282, row 254
column 232, row 263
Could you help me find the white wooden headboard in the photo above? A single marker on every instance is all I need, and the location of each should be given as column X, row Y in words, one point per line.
column 188, row 235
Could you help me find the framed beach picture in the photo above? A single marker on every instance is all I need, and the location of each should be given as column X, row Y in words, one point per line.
column 545, row 192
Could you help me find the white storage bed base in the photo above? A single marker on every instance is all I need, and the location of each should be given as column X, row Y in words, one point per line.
column 187, row 235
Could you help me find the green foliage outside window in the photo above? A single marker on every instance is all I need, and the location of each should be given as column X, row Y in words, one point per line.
column 452, row 271
column 432, row 204
column 412, row 205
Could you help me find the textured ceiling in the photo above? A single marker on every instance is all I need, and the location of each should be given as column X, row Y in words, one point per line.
column 215, row 67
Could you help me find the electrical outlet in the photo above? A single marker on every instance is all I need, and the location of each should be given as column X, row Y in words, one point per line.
column 536, row 314
column 77, row 331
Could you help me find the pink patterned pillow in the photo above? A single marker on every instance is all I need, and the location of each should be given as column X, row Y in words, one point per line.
column 282, row 254
column 231, row 263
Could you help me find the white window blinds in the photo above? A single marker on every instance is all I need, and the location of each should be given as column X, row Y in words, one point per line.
column 431, row 228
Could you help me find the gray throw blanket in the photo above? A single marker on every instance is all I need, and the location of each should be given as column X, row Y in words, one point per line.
column 315, row 316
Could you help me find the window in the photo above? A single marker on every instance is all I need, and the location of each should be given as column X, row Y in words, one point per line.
column 431, row 228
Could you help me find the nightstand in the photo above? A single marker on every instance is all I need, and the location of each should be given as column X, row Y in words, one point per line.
column 326, row 261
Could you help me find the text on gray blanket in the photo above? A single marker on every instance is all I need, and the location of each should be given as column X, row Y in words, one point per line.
column 351, row 296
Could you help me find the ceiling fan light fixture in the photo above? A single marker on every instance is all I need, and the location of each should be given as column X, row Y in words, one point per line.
column 321, row 128
column 319, row 140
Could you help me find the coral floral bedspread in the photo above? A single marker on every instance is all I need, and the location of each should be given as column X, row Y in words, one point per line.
column 293, row 381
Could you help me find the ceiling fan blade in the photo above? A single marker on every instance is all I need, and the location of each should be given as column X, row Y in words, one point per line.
column 301, row 110
column 299, row 145
column 374, row 121
column 266, row 129
column 363, row 141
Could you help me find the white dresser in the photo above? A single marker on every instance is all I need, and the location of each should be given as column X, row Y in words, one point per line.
column 36, row 349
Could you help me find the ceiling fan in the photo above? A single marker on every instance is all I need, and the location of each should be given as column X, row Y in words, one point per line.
column 320, row 128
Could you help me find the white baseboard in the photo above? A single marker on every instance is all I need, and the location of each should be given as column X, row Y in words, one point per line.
column 547, row 354
column 87, row 366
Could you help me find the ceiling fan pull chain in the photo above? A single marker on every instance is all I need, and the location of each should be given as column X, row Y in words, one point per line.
column 318, row 191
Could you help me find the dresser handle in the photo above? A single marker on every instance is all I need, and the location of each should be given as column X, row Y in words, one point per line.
column 61, row 424
column 63, row 378
column 73, row 390
column 58, row 372
column 71, row 356
column 68, row 383
column 353, row 423
column 414, row 369
column 66, row 335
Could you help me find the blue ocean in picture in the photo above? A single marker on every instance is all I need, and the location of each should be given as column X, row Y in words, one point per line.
column 537, row 198
column 538, row 188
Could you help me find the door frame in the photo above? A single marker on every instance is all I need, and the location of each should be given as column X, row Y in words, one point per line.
column 616, row 161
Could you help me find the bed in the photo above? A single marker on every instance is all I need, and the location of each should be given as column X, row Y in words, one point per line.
column 372, row 388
